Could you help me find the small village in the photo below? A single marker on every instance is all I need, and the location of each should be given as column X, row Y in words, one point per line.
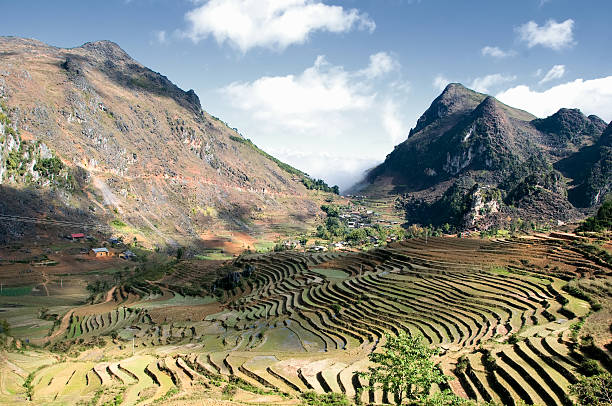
column 117, row 247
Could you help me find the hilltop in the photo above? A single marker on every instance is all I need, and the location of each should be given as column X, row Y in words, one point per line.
column 92, row 136
column 474, row 162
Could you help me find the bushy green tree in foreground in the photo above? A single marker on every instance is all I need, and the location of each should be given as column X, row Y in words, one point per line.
column 406, row 369
column 594, row 390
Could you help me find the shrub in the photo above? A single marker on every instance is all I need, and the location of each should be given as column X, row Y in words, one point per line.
column 589, row 367
column 594, row 391
column 601, row 221
column 49, row 167
column 327, row 399
column 513, row 339
column 229, row 391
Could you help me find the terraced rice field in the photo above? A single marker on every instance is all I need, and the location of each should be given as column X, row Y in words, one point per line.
column 308, row 321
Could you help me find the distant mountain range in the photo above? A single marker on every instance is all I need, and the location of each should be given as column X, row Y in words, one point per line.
column 90, row 135
column 474, row 162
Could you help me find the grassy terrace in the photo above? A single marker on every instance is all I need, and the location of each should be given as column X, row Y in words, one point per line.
column 307, row 322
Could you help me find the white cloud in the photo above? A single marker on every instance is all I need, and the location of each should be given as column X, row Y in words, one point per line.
column 440, row 82
column 276, row 24
column 298, row 100
column 485, row 83
column 556, row 72
column 496, row 52
column 333, row 122
column 380, row 64
column 392, row 122
column 591, row 96
column 552, row 35
column 336, row 168
column 161, row 37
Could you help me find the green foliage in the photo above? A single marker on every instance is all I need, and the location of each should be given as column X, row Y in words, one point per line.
column 319, row 184
column 27, row 384
column 327, row 399
column 118, row 223
column 514, row 338
column 13, row 161
column 229, row 391
column 404, row 368
column 5, row 328
column 331, row 210
column 593, row 391
column 589, row 367
column 357, row 235
column 49, row 167
column 602, row 221
column 446, row 398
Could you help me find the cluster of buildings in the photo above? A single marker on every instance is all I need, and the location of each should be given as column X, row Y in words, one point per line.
column 103, row 251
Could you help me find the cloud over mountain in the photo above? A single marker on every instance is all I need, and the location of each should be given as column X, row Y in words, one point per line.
column 246, row 24
column 592, row 96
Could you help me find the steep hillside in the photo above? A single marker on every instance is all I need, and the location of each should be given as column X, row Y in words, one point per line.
column 472, row 161
column 125, row 147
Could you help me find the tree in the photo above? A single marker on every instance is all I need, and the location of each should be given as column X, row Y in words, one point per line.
column 594, row 391
column 357, row 235
column 404, row 368
column 601, row 221
column 4, row 327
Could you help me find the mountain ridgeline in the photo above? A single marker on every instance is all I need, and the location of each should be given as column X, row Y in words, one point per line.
column 474, row 162
column 88, row 134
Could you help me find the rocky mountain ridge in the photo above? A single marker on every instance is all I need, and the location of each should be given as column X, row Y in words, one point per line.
column 139, row 153
column 474, row 162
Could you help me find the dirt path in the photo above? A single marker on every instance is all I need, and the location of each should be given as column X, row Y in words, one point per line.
column 109, row 294
column 45, row 281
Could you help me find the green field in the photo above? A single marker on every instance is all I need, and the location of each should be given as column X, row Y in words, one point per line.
column 16, row 291
column 331, row 273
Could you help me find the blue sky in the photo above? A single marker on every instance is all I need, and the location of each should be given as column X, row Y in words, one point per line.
column 331, row 86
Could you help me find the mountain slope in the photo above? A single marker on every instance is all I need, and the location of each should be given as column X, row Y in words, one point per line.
column 137, row 149
column 472, row 161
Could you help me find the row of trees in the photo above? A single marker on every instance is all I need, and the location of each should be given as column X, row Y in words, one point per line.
column 319, row 184
column 335, row 228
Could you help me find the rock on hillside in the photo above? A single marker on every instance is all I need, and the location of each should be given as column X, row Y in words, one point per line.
column 472, row 161
column 138, row 152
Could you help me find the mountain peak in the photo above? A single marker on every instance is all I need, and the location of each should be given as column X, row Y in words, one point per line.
column 107, row 49
column 489, row 107
column 570, row 125
column 454, row 99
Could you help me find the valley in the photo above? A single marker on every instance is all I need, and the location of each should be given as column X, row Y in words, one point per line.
column 150, row 254
column 294, row 322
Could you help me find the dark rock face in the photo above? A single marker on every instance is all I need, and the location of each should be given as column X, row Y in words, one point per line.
column 570, row 126
column 606, row 137
column 468, row 143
